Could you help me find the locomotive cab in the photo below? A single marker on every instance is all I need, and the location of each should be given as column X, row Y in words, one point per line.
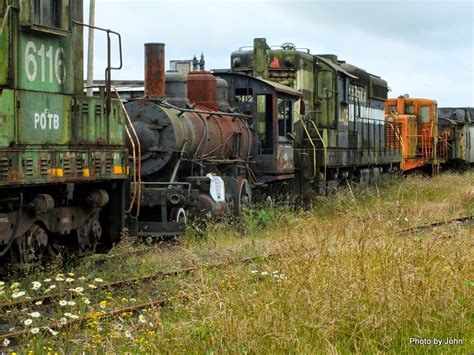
column 273, row 107
column 418, row 120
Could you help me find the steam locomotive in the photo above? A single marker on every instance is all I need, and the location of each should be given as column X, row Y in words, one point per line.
column 200, row 155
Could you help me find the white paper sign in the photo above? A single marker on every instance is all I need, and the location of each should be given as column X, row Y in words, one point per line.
column 217, row 189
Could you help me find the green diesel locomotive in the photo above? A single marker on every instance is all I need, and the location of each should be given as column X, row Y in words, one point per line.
column 63, row 163
column 339, row 127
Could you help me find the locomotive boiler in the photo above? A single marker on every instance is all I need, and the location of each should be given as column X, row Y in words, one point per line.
column 193, row 156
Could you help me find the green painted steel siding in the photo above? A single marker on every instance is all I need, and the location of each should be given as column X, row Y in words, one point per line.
column 4, row 50
column 43, row 118
column 92, row 127
column 7, row 118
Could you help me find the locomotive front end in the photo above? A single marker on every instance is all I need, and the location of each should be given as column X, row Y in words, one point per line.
column 186, row 142
column 63, row 163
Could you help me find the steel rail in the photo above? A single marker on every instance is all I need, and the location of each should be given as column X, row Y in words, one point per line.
column 117, row 284
column 463, row 219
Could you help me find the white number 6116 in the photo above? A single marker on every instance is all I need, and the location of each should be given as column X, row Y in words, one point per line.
column 31, row 64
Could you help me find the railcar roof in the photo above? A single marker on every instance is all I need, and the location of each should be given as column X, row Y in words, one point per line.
column 277, row 86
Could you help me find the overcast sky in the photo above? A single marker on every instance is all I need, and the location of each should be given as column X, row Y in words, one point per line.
column 422, row 48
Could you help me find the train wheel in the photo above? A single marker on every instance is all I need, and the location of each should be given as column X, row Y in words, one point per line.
column 29, row 248
column 178, row 215
column 88, row 236
column 269, row 202
column 243, row 196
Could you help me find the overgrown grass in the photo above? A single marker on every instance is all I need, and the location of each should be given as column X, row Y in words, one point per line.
column 345, row 281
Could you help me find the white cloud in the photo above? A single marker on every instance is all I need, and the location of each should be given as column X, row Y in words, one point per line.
column 424, row 48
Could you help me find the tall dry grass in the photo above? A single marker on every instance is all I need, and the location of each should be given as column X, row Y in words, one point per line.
column 345, row 281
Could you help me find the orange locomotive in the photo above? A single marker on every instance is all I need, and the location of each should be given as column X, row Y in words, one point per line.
column 415, row 122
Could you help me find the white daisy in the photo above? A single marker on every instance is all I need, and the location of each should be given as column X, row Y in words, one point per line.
column 69, row 280
column 51, row 287
column 18, row 294
column 6, row 342
column 128, row 334
column 27, row 322
column 35, row 330
column 70, row 315
column 98, row 279
column 53, row 332
column 36, row 285
column 63, row 303
column 35, row 314
column 38, row 303
column 63, row 321
column 92, row 286
column 71, row 303
column 86, row 301
column 141, row 318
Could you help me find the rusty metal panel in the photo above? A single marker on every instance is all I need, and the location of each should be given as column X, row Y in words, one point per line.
column 202, row 89
column 285, row 162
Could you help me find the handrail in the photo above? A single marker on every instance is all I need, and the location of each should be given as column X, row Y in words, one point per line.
column 324, row 146
column 400, row 138
column 314, row 147
column 6, row 17
column 108, row 70
column 136, row 160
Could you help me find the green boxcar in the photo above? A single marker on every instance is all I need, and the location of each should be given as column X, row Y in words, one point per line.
column 63, row 163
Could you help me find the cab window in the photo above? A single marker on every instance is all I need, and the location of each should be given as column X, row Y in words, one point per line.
column 284, row 117
column 425, row 114
column 409, row 109
column 50, row 13
column 265, row 123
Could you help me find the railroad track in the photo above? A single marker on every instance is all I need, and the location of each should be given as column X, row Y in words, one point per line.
column 462, row 220
column 138, row 251
column 15, row 335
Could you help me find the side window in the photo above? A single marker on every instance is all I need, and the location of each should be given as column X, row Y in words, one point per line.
column 243, row 95
column 325, row 85
column 284, row 117
column 243, row 98
column 424, row 114
column 392, row 108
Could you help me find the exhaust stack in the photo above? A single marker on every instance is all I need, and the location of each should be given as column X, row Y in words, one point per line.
column 155, row 70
